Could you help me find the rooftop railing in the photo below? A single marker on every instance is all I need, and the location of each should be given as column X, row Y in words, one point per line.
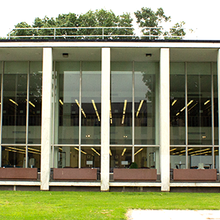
column 89, row 33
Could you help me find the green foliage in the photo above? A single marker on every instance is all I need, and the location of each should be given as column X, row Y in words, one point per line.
column 146, row 17
column 96, row 205
column 133, row 165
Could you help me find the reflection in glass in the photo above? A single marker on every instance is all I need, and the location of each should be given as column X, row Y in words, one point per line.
column 177, row 104
column 121, row 103
column 35, row 100
column 200, row 158
column 91, row 103
column 14, row 102
column 178, row 158
column 215, row 87
column 147, row 157
column 199, row 103
column 68, row 85
column 91, row 157
column 144, row 101
column 216, row 154
column 120, row 157
column 13, row 156
column 34, row 157
column 66, row 157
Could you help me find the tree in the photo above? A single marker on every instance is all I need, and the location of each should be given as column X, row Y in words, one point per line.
column 147, row 18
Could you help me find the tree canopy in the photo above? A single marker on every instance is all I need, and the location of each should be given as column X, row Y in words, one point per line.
column 145, row 18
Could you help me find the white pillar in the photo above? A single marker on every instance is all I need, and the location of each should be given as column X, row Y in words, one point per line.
column 218, row 76
column 105, row 121
column 165, row 119
column 46, row 118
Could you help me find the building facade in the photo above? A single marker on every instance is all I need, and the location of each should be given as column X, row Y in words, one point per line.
column 80, row 113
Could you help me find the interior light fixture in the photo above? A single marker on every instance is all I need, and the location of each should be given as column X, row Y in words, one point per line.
column 81, row 150
column 139, row 108
column 138, row 151
column 207, row 102
column 61, row 102
column 173, row 149
column 110, row 152
column 65, row 55
column 192, row 107
column 123, row 152
column 80, row 108
column 95, row 151
column 124, row 110
column 13, row 102
column 177, row 113
column 96, row 111
column 110, row 112
column 173, row 103
column 187, row 105
column 31, row 103
column 148, row 54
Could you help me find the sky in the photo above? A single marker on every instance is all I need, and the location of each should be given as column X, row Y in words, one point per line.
column 200, row 16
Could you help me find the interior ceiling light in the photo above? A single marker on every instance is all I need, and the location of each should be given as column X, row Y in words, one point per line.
column 80, row 108
column 173, row 103
column 138, row 151
column 81, row 150
column 110, row 112
column 124, row 110
column 13, row 102
column 96, row 111
column 95, row 151
column 139, row 108
column 123, row 152
column 206, row 102
column 65, row 55
column 61, row 102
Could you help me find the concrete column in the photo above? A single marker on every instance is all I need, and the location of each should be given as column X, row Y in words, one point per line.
column 165, row 118
column 105, row 121
column 46, row 118
column 218, row 76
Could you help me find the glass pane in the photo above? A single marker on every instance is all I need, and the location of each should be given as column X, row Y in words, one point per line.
column 121, row 103
column 66, row 157
column 13, row 156
column 34, row 156
column 91, row 103
column 144, row 101
column 35, row 99
column 215, row 86
column 199, row 104
column 147, row 157
column 120, row 157
column 178, row 158
column 177, row 102
column 91, row 157
column 14, row 102
column 67, row 103
column 200, row 158
column 216, row 153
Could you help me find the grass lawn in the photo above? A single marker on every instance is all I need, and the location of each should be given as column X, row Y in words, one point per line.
column 96, row 205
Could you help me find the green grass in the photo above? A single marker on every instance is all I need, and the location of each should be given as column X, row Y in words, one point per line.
column 96, row 205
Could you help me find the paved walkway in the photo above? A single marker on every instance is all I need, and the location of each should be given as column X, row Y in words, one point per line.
column 173, row 214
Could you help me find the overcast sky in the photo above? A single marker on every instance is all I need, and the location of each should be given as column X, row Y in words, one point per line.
column 201, row 16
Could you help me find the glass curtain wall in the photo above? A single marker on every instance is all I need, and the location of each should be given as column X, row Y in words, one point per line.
column 21, row 115
column 133, row 110
column 193, row 115
column 77, row 114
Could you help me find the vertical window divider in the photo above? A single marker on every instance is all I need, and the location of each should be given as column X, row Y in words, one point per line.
column 80, row 115
column 1, row 113
column 186, row 115
column 27, row 113
column 53, row 111
column 212, row 109
column 133, row 113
